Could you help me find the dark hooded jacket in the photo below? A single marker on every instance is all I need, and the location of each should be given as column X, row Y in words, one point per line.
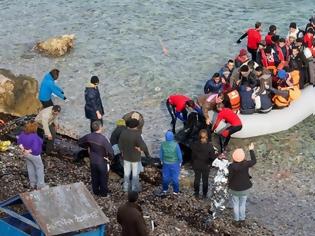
column 203, row 155
column 130, row 218
column 93, row 102
column 247, row 103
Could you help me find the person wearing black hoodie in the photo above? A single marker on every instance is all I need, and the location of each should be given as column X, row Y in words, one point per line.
column 93, row 103
column 203, row 155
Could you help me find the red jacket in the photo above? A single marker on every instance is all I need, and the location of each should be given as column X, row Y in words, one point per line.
column 268, row 39
column 178, row 101
column 308, row 41
column 279, row 53
column 253, row 38
column 229, row 116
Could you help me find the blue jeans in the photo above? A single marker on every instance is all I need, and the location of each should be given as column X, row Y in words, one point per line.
column 170, row 172
column 239, row 207
column 134, row 168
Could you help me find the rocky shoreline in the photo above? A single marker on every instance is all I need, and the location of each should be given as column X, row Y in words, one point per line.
column 280, row 202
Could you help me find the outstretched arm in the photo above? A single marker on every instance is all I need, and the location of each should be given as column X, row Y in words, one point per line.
column 240, row 39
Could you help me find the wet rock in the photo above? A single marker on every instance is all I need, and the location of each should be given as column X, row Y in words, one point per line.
column 57, row 46
column 18, row 94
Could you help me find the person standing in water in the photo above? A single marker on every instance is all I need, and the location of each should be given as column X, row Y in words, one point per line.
column 93, row 108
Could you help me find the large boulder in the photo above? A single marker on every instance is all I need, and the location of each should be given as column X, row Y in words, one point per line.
column 18, row 94
column 57, row 46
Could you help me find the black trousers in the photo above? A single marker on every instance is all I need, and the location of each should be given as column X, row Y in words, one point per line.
column 204, row 175
column 99, row 177
column 48, row 144
column 92, row 120
column 48, row 103
column 253, row 53
column 171, row 110
column 224, row 141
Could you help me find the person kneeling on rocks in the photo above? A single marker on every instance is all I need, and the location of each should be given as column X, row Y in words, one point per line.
column 101, row 153
column 239, row 182
column 171, row 158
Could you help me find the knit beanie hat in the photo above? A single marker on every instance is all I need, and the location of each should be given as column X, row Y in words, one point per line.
column 135, row 115
column 243, row 52
column 132, row 123
column 238, row 155
column 282, row 74
column 94, row 80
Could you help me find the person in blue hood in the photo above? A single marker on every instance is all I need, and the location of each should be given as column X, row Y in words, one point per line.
column 49, row 87
column 171, row 158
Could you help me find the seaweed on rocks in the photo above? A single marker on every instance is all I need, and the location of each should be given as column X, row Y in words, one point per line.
column 172, row 215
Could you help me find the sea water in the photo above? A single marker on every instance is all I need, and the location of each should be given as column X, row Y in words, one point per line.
column 121, row 42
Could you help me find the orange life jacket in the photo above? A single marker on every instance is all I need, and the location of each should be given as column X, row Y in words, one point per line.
column 235, row 100
column 294, row 91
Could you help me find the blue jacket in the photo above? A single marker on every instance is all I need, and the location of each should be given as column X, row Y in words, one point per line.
column 169, row 137
column 212, row 87
column 49, row 87
column 247, row 103
column 93, row 103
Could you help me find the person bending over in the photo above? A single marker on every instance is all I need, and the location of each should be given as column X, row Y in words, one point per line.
column 233, row 121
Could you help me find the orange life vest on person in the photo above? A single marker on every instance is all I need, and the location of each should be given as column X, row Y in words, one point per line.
column 294, row 91
column 235, row 100
column 281, row 102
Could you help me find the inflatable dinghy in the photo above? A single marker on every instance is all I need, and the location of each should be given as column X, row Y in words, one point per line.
column 277, row 120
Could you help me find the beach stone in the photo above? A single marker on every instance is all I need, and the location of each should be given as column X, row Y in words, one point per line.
column 18, row 94
column 56, row 46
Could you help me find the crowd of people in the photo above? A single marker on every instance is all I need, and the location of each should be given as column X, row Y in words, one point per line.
column 272, row 76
